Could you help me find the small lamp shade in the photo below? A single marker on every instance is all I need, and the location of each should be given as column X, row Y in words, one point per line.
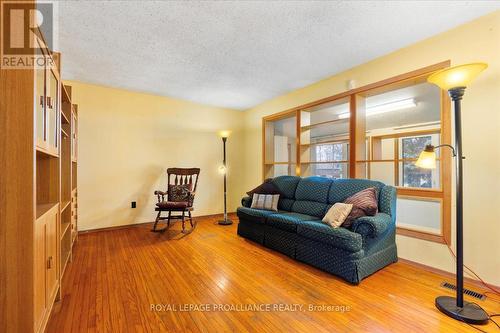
column 458, row 76
column 224, row 133
column 427, row 158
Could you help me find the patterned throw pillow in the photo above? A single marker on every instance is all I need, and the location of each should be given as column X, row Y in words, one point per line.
column 337, row 214
column 364, row 203
column 265, row 201
column 265, row 188
column 179, row 193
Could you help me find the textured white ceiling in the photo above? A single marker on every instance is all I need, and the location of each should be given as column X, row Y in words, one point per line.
column 239, row 54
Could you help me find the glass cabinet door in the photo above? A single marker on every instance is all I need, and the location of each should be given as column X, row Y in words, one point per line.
column 52, row 112
column 40, row 115
column 73, row 137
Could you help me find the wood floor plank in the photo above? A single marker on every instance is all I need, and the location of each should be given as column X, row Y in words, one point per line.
column 116, row 275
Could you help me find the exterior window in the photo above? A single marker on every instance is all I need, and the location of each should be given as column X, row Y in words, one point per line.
column 410, row 175
column 414, row 176
column 325, row 154
column 331, row 152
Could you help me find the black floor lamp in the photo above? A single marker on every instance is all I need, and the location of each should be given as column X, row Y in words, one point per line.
column 223, row 169
column 455, row 80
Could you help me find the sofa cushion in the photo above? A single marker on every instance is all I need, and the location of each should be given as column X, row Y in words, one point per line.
column 253, row 215
column 285, row 204
column 342, row 189
column 313, row 208
column 286, row 185
column 313, row 189
column 172, row 204
column 288, row 221
column 339, row 237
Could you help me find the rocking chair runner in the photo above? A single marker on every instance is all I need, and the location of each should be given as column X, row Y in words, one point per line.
column 180, row 193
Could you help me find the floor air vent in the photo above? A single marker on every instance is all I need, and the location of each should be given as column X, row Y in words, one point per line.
column 469, row 292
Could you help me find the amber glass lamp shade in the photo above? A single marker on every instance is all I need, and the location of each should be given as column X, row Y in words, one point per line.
column 224, row 134
column 427, row 158
column 457, row 76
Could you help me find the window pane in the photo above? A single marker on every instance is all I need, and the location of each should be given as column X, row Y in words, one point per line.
column 276, row 170
column 410, row 175
column 330, row 152
column 382, row 171
column 428, row 218
column 284, row 169
column 330, row 170
column 410, row 108
column 412, row 146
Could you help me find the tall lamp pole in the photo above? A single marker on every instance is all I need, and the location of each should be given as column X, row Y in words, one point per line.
column 455, row 80
column 223, row 169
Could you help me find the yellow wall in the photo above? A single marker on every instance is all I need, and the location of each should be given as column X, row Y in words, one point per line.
column 126, row 142
column 478, row 40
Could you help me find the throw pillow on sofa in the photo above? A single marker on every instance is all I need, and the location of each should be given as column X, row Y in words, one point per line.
column 267, row 187
column 364, row 203
column 265, row 201
column 337, row 214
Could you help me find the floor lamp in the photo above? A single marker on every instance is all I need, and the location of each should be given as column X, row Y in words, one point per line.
column 223, row 169
column 455, row 80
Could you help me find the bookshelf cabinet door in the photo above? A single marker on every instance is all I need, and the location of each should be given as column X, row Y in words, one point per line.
column 39, row 272
column 52, row 254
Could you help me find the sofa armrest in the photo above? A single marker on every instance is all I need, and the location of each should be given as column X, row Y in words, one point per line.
column 387, row 201
column 246, row 202
column 372, row 226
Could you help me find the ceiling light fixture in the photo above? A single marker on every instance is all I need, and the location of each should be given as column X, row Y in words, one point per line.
column 386, row 107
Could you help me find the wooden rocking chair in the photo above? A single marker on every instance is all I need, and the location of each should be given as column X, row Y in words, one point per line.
column 180, row 193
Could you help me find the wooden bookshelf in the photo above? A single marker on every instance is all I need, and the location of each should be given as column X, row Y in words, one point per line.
column 40, row 142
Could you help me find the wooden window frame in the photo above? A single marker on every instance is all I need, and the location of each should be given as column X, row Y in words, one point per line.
column 357, row 143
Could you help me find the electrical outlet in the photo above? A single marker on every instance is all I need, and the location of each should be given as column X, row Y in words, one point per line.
column 133, row 204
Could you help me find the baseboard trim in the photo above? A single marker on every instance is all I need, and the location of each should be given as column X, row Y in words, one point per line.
column 133, row 225
column 448, row 275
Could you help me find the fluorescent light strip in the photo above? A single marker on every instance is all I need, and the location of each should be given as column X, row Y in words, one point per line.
column 387, row 107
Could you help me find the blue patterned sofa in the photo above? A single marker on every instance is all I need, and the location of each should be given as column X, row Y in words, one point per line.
column 297, row 231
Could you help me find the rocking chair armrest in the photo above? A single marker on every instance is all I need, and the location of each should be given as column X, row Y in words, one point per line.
column 161, row 195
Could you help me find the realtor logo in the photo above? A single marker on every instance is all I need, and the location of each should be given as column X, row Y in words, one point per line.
column 22, row 44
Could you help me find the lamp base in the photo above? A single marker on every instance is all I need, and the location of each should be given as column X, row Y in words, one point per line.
column 225, row 222
column 469, row 313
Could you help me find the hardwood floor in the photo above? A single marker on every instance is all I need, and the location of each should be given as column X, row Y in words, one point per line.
column 117, row 275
